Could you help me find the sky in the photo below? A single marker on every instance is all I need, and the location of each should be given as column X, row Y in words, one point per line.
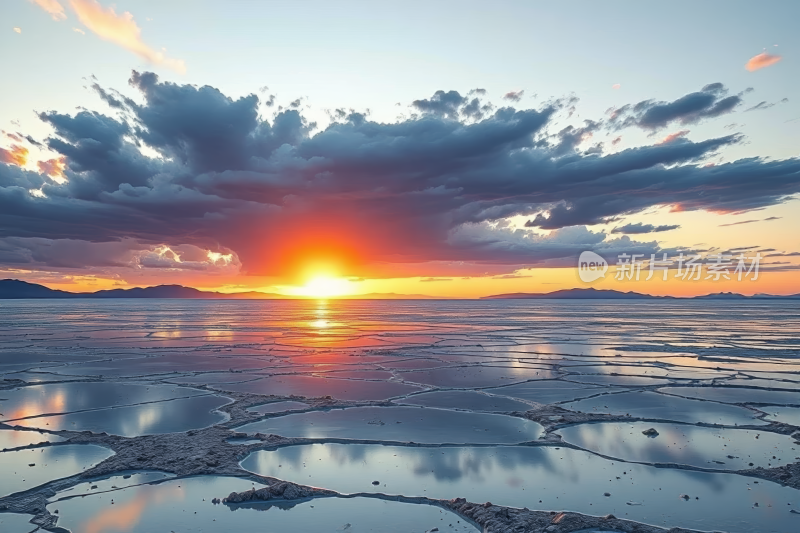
column 453, row 149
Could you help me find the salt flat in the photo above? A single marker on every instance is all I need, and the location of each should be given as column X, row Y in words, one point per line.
column 527, row 404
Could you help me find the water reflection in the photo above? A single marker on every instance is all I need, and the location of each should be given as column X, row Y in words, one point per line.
column 540, row 478
column 723, row 449
column 402, row 424
column 171, row 416
column 121, row 409
column 185, row 505
column 16, row 523
column 25, row 469
column 10, row 438
column 652, row 405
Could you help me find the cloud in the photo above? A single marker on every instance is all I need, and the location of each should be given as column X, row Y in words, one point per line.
column 514, row 96
column 78, row 30
column 429, row 195
column 638, row 228
column 710, row 102
column 53, row 7
column 790, row 254
column 749, row 221
column 121, row 30
column 762, row 60
column 616, row 86
column 764, row 105
column 53, row 168
column 119, row 256
column 674, row 136
column 443, row 104
column 17, row 155
column 18, row 30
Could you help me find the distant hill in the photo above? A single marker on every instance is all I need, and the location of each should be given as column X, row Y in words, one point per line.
column 12, row 289
column 606, row 294
column 16, row 289
column 575, row 294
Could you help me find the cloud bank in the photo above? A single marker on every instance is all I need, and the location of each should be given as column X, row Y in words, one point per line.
column 431, row 195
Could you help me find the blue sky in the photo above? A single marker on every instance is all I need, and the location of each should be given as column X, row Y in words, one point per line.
column 371, row 55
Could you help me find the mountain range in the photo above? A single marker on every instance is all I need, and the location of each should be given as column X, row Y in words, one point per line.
column 14, row 289
column 604, row 294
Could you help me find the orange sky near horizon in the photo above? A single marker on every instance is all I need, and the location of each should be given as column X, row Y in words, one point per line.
column 539, row 280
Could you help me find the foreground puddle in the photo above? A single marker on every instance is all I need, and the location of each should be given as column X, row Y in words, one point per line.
column 170, row 416
column 724, row 449
column 541, row 478
column 25, row 469
column 401, row 424
column 652, row 405
column 185, row 505
column 16, row 523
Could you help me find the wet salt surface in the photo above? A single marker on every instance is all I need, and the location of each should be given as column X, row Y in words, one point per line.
column 170, row 416
column 310, row 386
column 471, row 400
column 52, row 462
column 543, row 478
column 401, row 424
column 495, row 354
column 56, row 398
column 787, row 415
column 548, row 391
column 10, row 438
column 736, row 395
column 622, row 381
column 185, row 505
column 16, row 523
column 110, row 484
column 653, row 405
column 705, row 447
column 278, row 407
column 475, row 376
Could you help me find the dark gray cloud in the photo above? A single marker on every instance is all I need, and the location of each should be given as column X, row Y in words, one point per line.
column 443, row 104
column 369, row 196
column 514, row 96
column 639, row 228
column 710, row 102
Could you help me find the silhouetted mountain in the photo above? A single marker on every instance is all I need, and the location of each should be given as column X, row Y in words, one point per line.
column 15, row 289
column 160, row 291
column 574, row 294
column 605, row 294
column 12, row 289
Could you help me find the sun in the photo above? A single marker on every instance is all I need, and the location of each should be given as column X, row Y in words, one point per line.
column 325, row 287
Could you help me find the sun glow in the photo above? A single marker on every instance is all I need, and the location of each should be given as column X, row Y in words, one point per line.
column 324, row 287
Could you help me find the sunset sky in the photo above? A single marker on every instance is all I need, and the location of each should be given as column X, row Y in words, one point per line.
column 458, row 149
